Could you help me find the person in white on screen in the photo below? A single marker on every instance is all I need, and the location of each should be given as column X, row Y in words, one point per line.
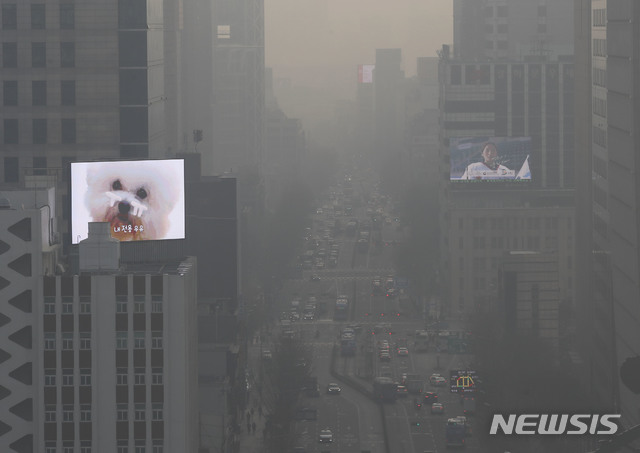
column 489, row 168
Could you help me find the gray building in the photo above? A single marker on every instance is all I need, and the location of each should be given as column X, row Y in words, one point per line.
column 388, row 102
column 499, row 29
column 610, row 187
column 86, row 81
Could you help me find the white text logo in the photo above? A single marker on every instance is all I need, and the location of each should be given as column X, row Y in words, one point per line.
column 548, row 424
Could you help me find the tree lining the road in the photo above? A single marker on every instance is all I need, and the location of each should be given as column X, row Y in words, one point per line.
column 283, row 381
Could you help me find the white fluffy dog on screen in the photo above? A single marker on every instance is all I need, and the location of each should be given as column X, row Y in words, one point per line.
column 135, row 197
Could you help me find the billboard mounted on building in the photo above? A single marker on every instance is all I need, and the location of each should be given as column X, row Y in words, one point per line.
column 365, row 73
column 490, row 159
column 141, row 200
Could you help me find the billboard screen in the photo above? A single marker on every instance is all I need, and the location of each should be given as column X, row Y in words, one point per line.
column 142, row 200
column 365, row 73
column 490, row 159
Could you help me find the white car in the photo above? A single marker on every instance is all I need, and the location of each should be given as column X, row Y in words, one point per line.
column 326, row 436
column 333, row 388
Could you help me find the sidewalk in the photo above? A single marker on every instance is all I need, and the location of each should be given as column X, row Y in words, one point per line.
column 250, row 438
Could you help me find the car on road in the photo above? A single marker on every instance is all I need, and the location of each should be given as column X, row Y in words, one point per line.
column 402, row 391
column 430, row 397
column 403, row 351
column 315, row 278
column 468, row 429
column 266, row 354
column 333, row 389
column 326, row 436
column 385, row 356
column 437, row 380
column 437, row 408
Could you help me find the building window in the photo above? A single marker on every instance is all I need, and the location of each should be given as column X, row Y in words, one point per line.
column 502, row 45
column 38, row 16
column 140, row 448
column 38, row 92
column 50, row 447
column 503, row 28
column 50, row 377
column 542, row 28
column 158, row 446
column 123, row 446
column 156, row 376
column 488, row 11
column 85, row 340
column 39, row 131
column 139, row 413
column 138, row 304
column 49, row 341
column 156, row 412
column 9, row 54
column 156, row 340
column 85, row 304
column 39, row 165
column 68, row 131
column 67, row 16
column 502, row 11
column 121, row 304
column 121, row 376
column 121, row 340
column 67, row 341
column 38, row 54
column 11, row 174
column 138, row 340
column 123, row 412
column 67, row 413
column 67, row 447
column 85, row 376
column 50, row 413
column 156, row 304
column 488, row 28
column 10, row 92
column 67, row 54
column 68, row 92
column 49, row 305
column 85, row 446
column 67, row 305
column 85, row 413
column 67, row 377
column 10, row 131
column 9, row 16
column 139, row 377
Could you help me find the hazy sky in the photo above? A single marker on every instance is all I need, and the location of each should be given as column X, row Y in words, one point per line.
column 319, row 43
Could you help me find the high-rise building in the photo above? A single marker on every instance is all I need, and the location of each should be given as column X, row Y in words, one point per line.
column 28, row 249
column 609, row 185
column 116, row 362
column 499, row 29
column 83, row 81
column 388, row 102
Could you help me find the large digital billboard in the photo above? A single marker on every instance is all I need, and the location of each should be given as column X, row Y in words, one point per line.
column 142, row 200
column 490, row 159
